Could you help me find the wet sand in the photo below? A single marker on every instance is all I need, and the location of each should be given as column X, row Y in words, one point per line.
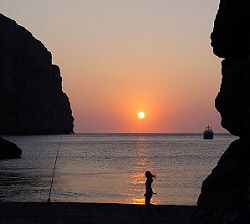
column 91, row 213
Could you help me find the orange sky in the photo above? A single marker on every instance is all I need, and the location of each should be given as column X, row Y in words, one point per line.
column 120, row 57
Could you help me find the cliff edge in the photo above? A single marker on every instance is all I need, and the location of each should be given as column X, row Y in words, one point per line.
column 225, row 194
column 31, row 96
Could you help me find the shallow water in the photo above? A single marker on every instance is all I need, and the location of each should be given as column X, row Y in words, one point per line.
column 110, row 167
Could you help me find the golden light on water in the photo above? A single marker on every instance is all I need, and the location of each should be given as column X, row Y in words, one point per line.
column 137, row 191
column 137, row 201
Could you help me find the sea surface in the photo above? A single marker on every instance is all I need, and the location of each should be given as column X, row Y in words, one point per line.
column 110, row 168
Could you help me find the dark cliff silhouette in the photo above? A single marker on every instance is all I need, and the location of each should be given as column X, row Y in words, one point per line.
column 31, row 100
column 225, row 194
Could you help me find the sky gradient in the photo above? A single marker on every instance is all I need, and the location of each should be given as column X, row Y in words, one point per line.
column 119, row 57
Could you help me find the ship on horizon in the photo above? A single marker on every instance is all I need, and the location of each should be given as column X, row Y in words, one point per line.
column 208, row 133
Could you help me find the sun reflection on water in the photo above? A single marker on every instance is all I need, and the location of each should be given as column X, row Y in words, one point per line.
column 135, row 195
column 136, row 192
column 137, row 201
column 143, row 163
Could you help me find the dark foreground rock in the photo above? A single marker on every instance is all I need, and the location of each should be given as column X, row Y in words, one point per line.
column 231, row 33
column 31, row 96
column 233, row 100
column 9, row 150
column 225, row 194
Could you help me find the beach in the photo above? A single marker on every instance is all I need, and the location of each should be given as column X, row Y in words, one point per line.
column 91, row 213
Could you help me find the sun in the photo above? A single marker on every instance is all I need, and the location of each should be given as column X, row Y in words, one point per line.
column 141, row 115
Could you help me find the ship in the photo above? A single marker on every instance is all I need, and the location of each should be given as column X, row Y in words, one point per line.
column 208, row 133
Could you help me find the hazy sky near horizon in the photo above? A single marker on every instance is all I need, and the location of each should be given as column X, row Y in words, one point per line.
column 119, row 57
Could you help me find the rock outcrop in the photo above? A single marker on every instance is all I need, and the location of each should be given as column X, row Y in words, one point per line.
column 225, row 194
column 230, row 36
column 9, row 150
column 233, row 100
column 31, row 100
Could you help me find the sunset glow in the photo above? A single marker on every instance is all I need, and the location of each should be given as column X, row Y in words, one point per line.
column 123, row 55
column 141, row 115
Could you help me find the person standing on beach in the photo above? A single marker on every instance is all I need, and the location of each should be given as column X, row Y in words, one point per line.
column 149, row 192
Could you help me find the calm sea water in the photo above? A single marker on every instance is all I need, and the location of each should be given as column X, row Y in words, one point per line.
column 110, row 167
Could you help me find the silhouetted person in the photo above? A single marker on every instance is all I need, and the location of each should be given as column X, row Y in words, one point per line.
column 149, row 192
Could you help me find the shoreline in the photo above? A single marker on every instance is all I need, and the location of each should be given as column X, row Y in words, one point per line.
column 91, row 213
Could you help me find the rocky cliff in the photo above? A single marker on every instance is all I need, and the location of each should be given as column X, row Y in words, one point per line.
column 31, row 100
column 9, row 150
column 225, row 194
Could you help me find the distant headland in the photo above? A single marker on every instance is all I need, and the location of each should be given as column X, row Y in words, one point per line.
column 32, row 101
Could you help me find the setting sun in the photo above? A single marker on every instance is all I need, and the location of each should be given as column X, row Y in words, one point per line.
column 141, row 115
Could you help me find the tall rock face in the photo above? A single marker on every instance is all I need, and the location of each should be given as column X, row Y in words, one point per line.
column 233, row 100
column 31, row 100
column 230, row 36
column 225, row 194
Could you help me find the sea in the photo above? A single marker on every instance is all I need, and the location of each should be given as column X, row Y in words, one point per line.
column 110, row 168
